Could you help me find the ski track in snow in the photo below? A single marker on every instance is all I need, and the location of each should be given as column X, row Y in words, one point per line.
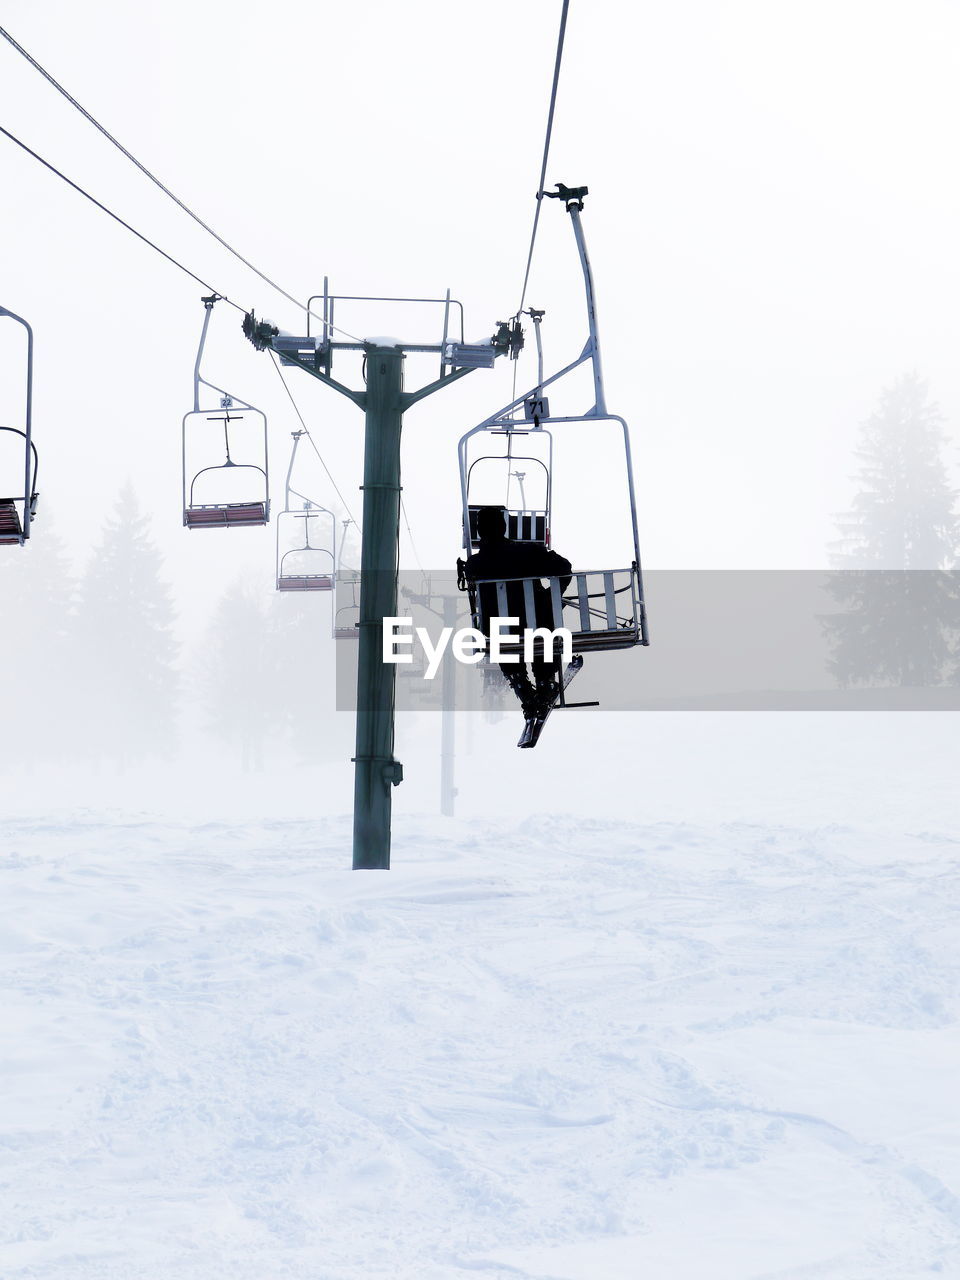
column 557, row 1049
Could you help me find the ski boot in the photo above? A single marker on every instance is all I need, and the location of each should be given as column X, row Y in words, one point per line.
column 525, row 691
column 548, row 690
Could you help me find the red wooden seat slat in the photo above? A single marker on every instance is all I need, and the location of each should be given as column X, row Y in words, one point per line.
column 234, row 514
column 10, row 530
column 305, row 582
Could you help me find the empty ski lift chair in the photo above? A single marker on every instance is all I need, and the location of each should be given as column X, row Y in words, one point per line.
column 309, row 567
column 18, row 509
column 602, row 608
column 346, row 615
column 227, row 494
column 346, row 623
column 302, row 564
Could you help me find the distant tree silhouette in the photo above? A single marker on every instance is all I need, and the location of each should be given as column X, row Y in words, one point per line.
column 37, row 691
column 305, row 678
column 897, row 541
column 236, row 674
column 125, row 643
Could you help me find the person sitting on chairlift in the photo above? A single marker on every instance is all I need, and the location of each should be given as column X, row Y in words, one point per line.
column 500, row 558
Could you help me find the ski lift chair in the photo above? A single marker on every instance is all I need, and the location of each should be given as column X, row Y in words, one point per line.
column 346, row 614
column 346, row 623
column 254, row 507
column 346, row 617
column 603, row 608
column 14, row 531
column 228, row 494
column 312, row 566
column 17, row 510
column 309, row 567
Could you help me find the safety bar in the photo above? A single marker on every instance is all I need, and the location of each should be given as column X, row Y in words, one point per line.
column 606, row 604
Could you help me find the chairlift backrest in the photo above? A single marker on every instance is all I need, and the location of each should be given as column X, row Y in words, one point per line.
column 521, row 526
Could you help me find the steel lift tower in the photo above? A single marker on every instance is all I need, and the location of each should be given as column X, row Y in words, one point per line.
column 384, row 402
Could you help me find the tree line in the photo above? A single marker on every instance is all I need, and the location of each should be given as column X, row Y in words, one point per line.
column 898, row 551
column 92, row 669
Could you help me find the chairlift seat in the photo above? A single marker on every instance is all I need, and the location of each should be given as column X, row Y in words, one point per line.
column 225, row 515
column 522, row 526
column 346, row 633
column 305, row 582
column 11, row 532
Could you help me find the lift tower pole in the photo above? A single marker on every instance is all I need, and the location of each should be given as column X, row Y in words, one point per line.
column 377, row 772
column 384, row 403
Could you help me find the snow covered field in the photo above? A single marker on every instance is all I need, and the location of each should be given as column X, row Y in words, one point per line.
column 555, row 1046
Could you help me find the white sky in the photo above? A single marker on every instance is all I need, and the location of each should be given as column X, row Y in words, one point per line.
column 773, row 223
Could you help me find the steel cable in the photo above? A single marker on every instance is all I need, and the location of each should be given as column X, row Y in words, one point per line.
column 296, row 409
column 154, row 179
column 546, row 150
column 116, row 217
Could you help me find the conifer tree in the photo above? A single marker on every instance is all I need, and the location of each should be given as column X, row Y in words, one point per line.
column 897, row 540
column 236, row 675
column 125, row 643
column 305, row 677
column 37, row 589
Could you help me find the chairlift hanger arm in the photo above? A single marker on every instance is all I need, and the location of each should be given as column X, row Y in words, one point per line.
column 314, row 507
column 500, row 417
column 198, row 379
column 293, row 457
column 573, row 199
column 236, row 402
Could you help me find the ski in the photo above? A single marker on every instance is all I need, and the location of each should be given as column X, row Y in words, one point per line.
column 534, row 724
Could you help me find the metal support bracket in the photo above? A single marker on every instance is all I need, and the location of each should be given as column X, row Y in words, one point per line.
column 392, row 769
column 572, row 197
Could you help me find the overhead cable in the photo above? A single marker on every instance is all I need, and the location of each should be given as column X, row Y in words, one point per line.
column 116, row 217
column 296, row 409
column 546, row 150
column 154, row 179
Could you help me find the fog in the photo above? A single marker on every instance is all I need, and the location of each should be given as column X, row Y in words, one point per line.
column 772, row 224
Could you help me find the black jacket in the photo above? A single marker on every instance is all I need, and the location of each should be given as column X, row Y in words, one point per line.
column 505, row 559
